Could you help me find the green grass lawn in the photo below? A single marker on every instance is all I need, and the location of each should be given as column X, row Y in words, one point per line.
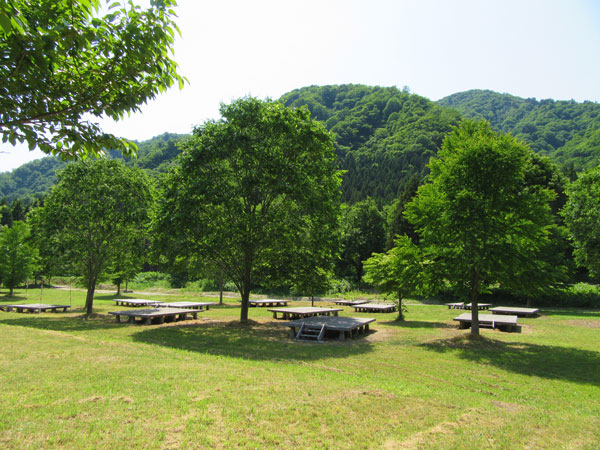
column 71, row 382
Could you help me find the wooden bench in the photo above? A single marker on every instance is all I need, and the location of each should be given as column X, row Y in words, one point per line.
column 299, row 313
column 458, row 305
column 187, row 305
column 344, row 326
column 267, row 302
column 158, row 315
column 502, row 322
column 520, row 312
column 480, row 306
column 34, row 308
column 375, row 308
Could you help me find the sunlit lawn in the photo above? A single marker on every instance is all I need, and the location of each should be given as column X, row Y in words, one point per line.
column 71, row 382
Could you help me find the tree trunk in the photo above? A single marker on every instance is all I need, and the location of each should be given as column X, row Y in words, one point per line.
column 475, row 273
column 11, row 291
column 312, row 301
column 400, row 312
column 119, row 288
column 89, row 299
column 221, row 289
column 245, row 303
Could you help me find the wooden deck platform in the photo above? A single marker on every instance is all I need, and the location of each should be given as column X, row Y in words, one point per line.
column 375, row 308
column 350, row 302
column 302, row 312
column 187, row 305
column 344, row 326
column 502, row 322
column 267, row 302
column 135, row 302
column 157, row 315
column 457, row 305
column 35, row 308
column 520, row 312
column 480, row 306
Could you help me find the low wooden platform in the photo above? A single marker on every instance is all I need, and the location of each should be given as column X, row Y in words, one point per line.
column 267, row 302
column 344, row 326
column 350, row 302
column 302, row 312
column 458, row 305
column 375, row 308
column 520, row 312
column 135, row 302
column 187, row 305
column 156, row 315
column 480, row 306
column 34, row 308
column 502, row 322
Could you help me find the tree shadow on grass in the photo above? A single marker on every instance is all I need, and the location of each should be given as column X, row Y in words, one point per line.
column 561, row 312
column 9, row 299
column 255, row 341
column 416, row 324
column 545, row 361
column 63, row 323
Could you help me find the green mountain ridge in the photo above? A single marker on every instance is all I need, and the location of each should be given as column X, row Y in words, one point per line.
column 385, row 136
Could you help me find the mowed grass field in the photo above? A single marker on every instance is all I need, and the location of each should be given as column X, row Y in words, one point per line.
column 72, row 382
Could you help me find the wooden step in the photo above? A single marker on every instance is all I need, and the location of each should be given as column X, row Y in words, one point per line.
column 311, row 333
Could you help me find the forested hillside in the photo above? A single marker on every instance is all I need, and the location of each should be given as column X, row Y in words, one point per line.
column 566, row 131
column 384, row 135
column 34, row 179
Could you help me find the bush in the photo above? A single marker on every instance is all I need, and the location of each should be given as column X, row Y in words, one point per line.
column 339, row 287
column 203, row 285
column 150, row 279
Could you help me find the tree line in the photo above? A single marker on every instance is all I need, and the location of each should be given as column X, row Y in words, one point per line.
column 255, row 198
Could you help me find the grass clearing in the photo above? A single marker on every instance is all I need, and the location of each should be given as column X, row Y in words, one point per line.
column 74, row 382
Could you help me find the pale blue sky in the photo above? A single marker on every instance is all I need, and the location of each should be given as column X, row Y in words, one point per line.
column 231, row 48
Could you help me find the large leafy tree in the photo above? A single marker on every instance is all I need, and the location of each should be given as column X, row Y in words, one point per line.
column 91, row 216
column 479, row 222
column 251, row 192
column 62, row 63
column 582, row 216
column 17, row 255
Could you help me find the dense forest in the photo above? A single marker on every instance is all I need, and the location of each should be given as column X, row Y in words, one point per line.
column 566, row 131
column 34, row 179
column 385, row 137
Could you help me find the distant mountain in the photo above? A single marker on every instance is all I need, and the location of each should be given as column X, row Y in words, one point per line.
column 384, row 135
column 33, row 179
column 566, row 131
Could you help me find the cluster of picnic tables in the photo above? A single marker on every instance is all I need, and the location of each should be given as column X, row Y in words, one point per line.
column 504, row 318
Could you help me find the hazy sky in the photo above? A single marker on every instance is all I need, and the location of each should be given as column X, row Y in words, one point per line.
column 232, row 48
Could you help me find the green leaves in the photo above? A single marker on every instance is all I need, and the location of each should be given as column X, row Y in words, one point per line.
column 64, row 63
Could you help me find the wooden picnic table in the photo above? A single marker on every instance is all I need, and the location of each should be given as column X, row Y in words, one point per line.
column 502, row 322
column 158, row 315
column 299, row 313
column 344, row 326
column 187, row 305
column 350, row 302
column 135, row 302
column 520, row 312
column 267, row 302
column 375, row 307
column 35, row 308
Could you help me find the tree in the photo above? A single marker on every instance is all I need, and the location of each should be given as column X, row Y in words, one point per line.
column 399, row 271
column 363, row 233
column 479, row 222
column 247, row 191
column 62, row 63
column 91, row 215
column 17, row 256
column 582, row 216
